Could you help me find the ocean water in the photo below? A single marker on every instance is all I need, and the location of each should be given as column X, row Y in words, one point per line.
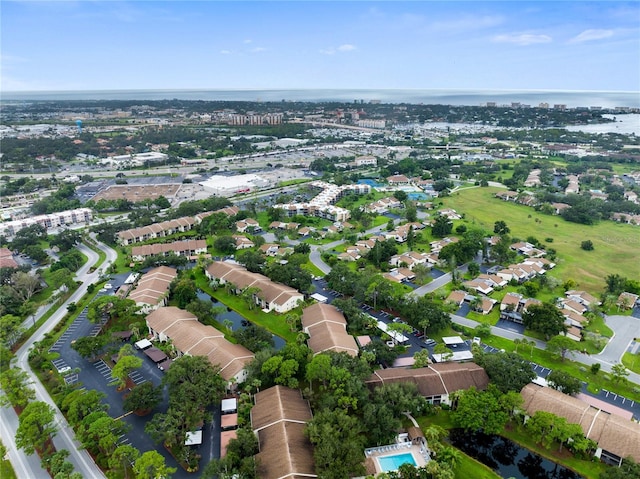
column 605, row 99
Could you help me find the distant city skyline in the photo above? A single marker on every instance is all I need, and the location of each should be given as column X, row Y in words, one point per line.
column 118, row 45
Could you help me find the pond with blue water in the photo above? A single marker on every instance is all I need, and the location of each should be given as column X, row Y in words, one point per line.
column 238, row 321
column 508, row 459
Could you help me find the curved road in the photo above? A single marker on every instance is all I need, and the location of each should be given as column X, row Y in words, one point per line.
column 28, row 467
column 625, row 327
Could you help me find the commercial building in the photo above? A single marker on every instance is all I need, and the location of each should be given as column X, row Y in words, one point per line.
column 220, row 185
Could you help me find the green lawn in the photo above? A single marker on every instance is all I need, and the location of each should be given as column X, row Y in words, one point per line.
column 6, row 470
column 296, row 181
column 614, row 244
column 273, row 322
column 632, row 362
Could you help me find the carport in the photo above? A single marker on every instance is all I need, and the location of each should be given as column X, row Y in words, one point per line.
column 155, row 354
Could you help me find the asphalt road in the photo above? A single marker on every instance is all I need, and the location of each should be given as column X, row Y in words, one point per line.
column 65, row 438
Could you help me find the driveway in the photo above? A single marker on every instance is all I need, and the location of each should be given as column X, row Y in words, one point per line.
column 625, row 329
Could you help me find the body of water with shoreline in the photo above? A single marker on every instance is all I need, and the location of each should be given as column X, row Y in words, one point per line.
column 572, row 99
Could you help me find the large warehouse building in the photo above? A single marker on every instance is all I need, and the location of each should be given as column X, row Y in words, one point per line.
column 232, row 185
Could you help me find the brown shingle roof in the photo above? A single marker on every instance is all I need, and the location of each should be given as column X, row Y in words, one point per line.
column 189, row 336
column 435, row 379
column 279, row 418
column 277, row 404
column 613, row 433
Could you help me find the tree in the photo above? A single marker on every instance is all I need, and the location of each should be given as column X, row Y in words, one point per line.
column 338, row 443
column 183, row 290
column 58, row 465
column 500, row 228
column 225, row 244
column 544, row 318
column 421, row 358
column 539, row 427
column 477, row 410
column 66, row 239
column 122, row 458
column 441, row 227
column 79, row 404
column 143, row 398
column 35, row 427
column 508, row 371
column 443, row 350
column 400, row 195
column 193, row 385
column 564, row 382
column 473, row 269
column 10, row 329
column 151, row 465
column 99, row 432
column 587, row 245
column 627, row 470
column 24, row 286
column 123, row 367
column 252, row 260
column 302, row 248
column 283, row 371
column 619, row 373
column 17, row 388
column 89, row 346
column 561, row 346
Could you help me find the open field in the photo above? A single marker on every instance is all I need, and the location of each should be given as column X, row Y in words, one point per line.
column 615, row 245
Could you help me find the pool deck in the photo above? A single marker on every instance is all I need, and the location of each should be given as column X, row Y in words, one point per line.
column 419, row 453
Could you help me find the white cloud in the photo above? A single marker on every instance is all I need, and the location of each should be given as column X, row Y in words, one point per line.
column 347, row 48
column 522, row 39
column 247, row 41
column 590, row 35
column 327, row 51
column 225, row 52
column 258, row 50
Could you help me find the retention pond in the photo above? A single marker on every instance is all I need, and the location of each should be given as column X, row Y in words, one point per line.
column 508, row 459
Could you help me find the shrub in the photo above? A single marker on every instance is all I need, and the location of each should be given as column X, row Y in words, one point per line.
column 587, row 245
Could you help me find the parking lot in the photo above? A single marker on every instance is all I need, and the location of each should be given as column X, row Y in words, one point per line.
column 97, row 376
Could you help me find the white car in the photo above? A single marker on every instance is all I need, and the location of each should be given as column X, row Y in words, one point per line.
column 108, row 286
column 476, row 340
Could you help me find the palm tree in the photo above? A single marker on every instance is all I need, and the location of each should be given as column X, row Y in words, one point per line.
column 518, row 342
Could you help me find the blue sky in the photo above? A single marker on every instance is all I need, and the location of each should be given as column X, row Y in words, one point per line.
column 509, row 45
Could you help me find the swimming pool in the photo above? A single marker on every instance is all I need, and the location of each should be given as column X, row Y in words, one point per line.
column 393, row 463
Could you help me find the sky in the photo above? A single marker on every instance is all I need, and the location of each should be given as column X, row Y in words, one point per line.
column 473, row 45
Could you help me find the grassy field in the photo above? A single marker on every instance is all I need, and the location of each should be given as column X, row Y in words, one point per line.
column 615, row 245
